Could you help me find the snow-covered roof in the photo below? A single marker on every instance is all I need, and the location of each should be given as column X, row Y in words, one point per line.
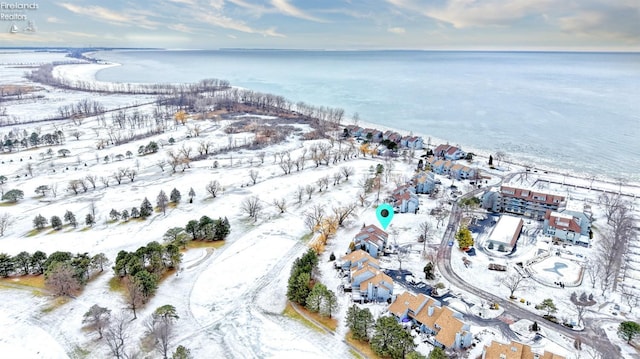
column 507, row 230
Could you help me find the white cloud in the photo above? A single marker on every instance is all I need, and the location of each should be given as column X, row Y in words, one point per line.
column 397, row 30
column 287, row 8
column 131, row 18
column 55, row 20
column 181, row 28
column 229, row 23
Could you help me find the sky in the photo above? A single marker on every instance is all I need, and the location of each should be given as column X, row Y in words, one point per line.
column 580, row 25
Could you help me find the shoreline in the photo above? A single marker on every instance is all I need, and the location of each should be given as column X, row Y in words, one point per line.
column 89, row 74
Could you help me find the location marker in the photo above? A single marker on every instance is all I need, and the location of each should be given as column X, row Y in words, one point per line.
column 384, row 212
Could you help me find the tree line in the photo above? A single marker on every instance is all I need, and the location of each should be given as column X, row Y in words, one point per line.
column 140, row 271
column 65, row 273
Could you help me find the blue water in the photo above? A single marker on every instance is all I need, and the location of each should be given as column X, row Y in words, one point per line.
column 574, row 111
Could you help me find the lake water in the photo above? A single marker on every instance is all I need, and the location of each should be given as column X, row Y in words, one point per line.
column 571, row 111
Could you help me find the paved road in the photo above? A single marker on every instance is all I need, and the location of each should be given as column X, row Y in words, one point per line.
column 589, row 335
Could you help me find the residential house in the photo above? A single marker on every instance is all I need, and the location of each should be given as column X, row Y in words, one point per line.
column 445, row 325
column 515, row 350
column 376, row 136
column 405, row 202
column 371, row 284
column 371, row 239
column 461, row 172
column 415, row 142
column 449, row 152
column 438, row 167
column 425, row 182
column 569, row 223
column 357, row 259
column 522, row 201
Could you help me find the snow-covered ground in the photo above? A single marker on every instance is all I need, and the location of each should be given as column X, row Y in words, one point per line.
column 230, row 301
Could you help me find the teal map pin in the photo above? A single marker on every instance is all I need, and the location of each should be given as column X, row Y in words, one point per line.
column 384, row 212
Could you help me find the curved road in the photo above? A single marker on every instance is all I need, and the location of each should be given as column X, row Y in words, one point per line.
column 593, row 337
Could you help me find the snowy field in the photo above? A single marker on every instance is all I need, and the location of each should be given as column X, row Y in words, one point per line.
column 230, row 299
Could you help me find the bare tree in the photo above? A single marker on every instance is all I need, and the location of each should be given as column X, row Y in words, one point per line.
column 5, row 221
column 347, row 171
column 97, row 318
column 362, row 198
column 161, row 164
column 213, row 187
column 280, row 204
column 134, row 294
column 513, row 282
column 611, row 204
column 592, row 269
column 162, row 201
column 253, row 174
column 54, row 189
column 344, row 212
column 74, row 185
column 425, row 233
column 309, row 189
column 161, row 328
column 252, row 207
column 61, row 279
column 92, row 179
column 581, row 303
column 499, row 156
column 131, row 174
column 117, row 335
column 261, row 157
column 299, row 193
column 313, row 218
column 336, row 178
column 119, row 175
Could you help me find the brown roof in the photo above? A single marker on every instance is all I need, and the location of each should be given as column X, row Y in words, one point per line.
column 452, row 150
column 449, row 327
column 377, row 280
column 356, row 256
column 365, row 268
column 560, row 221
column 513, row 350
column 373, row 230
column 549, row 198
column 407, row 302
column 423, row 316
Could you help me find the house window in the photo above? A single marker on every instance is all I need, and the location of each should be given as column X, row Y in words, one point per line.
column 524, row 193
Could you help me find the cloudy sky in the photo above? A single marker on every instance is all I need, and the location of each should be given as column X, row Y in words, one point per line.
column 331, row 24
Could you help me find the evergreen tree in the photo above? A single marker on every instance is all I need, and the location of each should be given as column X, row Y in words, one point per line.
column 192, row 228
column 437, row 353
column 628, row 330
column 360, row 322
column 56, row 223
column 135, row 212
column 145, row 208
column 115, row 215
column 39, row 222
column 161, row 202
column 37, row 261
column 192, row 194
column 70, row 218
column 23, row 262
column 7, row 264
column 222, row 229
column 316, row 297
column 329, row 304
column 175, row 195
column 429, row 271
column 89, row 220
column 124, row 215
